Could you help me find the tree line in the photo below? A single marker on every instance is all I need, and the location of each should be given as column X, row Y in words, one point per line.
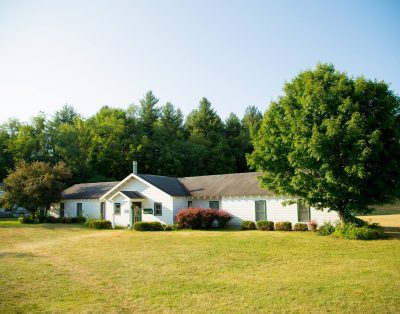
column 103, row 146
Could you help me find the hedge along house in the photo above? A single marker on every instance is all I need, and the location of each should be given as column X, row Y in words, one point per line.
column 142, row 197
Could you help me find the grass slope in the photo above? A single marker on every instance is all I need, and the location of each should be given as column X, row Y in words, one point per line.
column 61, row 268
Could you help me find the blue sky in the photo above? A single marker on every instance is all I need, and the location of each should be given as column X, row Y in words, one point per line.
column 236, row 53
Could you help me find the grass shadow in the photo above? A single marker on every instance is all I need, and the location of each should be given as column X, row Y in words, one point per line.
column 392, row 232
column 16, row 255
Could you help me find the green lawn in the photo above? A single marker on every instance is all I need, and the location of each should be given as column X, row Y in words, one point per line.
column 66, row 268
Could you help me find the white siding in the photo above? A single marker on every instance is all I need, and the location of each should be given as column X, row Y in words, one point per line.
column 179, row 203
column 243, row 208
column 205, row 203
column 125, row 218
column 323, row 216
column 277, row 212
column 240, row 208
column 151, row 194
column 90, row 208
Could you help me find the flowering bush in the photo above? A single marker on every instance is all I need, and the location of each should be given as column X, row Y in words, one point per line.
column 312, row 225
column 201, row 218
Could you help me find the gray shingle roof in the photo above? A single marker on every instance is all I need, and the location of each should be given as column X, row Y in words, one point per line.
column 88, row 190
column 169, row 185
column 233, row 184
column 132, row 194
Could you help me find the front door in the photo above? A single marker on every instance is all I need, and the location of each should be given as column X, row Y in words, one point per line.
column 136, row 212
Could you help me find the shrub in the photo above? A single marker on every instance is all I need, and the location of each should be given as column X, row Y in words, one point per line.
column 300, row 227
column 80, row 219
column 72, row 220
column 247, row 225
column 265, row 225
column 312, row 225
column 283, row 226
column 190, row 218
column 168, row 227
column 27, row 220
column 99, row 224
column 67, row 220
column 177, row 227
column 380, row 232
column 326, row 229
column 223, row 218
column 200, row 218
column 353, row 231
column 148, row 226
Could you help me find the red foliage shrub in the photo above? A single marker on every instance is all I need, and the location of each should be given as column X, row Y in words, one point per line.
column 201, row 218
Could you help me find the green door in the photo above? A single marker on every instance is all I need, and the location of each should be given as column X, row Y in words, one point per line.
column 136, row 212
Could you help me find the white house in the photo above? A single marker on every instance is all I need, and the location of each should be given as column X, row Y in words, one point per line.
column 143, row 197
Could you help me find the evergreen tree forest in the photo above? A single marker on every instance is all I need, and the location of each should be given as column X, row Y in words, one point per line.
column 159, row 137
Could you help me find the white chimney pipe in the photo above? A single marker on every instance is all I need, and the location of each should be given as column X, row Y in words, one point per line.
column 134, row 166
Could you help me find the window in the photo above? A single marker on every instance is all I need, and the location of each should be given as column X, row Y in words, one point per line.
column 303, row 211
column 214, row 204
column 117, row 208
column 261, row 210
column 62, row 208
column 190, row 204
column 78, row 209
column 157, row 209
column 102, row 210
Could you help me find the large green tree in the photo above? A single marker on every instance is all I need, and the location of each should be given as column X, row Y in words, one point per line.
column 332, row 140
column 34, row 186
column 108, row 146
column 206, row 128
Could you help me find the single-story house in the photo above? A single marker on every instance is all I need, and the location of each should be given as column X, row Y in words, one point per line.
column 144, row 197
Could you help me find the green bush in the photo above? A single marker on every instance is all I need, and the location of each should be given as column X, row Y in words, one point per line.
column 300, row 227
column 148, row 226
column 66, row 220
column 327, row 228
column 353, row 231
column 72, row 220
column 312, row 225
column 99, row 224
column 283, row 226
column 265, row 225
column 80, row 220
column 168, row 227
column 27, row 220
column 247, row 225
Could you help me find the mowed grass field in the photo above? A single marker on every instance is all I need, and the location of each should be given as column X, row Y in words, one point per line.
column 387, row 216
column 67, row 268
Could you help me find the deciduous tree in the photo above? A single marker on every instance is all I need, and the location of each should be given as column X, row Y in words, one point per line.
column 35, row 186
column 332, row 140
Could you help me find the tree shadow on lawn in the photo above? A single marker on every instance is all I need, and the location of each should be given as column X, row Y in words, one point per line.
column 16, row 255
column 61, row 226
column 392, row 232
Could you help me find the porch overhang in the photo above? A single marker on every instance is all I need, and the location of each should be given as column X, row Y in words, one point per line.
column 131, row 195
